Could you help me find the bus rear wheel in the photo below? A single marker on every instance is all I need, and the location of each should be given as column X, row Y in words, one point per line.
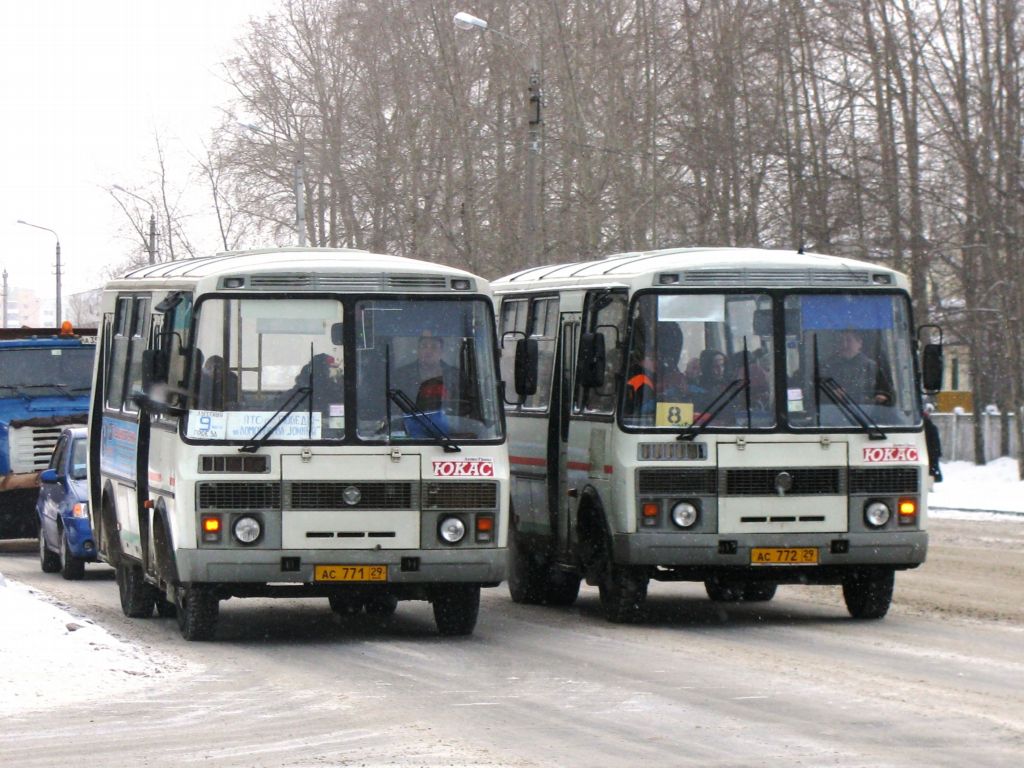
column 868, row 593
column 456, row 607
column 197, row 610
column 137, row 597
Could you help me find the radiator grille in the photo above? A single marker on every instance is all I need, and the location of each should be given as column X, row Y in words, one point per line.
column 890, row 480
column 242, row 495
column 32, row 447
column 762, row 482
column 234, row 464
column 460, row 496
column 330, row 495
column 676, row 481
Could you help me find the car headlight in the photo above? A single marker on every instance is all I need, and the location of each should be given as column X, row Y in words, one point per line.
column 452, row 530
column 877, row 514
column 684, row 514
column 247, row 529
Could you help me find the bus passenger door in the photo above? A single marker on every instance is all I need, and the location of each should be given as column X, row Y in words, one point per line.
column 563, row 454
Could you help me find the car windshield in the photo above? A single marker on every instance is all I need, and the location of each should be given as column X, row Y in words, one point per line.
column 691, row 356
column 849, row 359
column 37, row 372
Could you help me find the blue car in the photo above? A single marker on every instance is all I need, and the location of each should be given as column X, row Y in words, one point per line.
column 65, row 533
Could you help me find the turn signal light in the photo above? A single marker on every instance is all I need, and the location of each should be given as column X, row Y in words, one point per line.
column 484, row 528
column 908, row 511
column 211, row 528
column 649, row 512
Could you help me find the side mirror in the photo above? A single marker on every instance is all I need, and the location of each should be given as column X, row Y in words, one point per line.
column 48, row 476
column 592, row 360
column 527, row 356
column 154, row 368
column 931, row 368
column 337, row 334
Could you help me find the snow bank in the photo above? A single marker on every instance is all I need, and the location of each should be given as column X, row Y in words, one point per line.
column 49, row 657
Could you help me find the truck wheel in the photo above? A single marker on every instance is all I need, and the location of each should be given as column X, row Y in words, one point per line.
column 197, row 609
column 623, row 590
column 137, row 597
column 71, row 568
column 345, row 606
column 868, row 594
column 456, row 607
column 48, row 561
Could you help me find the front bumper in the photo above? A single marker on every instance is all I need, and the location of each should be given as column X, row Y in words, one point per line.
column 253, row 566
column 897, row 549
column 79, row 535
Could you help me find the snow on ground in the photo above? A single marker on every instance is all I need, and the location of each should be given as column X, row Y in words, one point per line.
column 50, row 657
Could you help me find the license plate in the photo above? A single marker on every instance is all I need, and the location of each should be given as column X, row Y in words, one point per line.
column 350, row 573
column 784, row 556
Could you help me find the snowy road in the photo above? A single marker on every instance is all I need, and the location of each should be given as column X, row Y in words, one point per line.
column 940, row 681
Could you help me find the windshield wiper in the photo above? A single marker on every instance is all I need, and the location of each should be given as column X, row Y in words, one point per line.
column 851, row 410
column 404, row 402
column 263, row 434
column 726, row 396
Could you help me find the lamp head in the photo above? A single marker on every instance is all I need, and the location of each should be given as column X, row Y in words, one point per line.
column 465, row 20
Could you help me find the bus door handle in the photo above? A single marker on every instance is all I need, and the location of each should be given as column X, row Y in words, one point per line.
column 574, row 493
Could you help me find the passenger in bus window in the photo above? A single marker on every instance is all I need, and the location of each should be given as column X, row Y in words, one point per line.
column 862, row 378
column 654, row 374
column 327, row 383
column 712, row 379
column 429, row 380
column 218, row 385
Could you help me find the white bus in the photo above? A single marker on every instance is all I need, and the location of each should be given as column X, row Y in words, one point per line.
column 737, row 417
column 299, row 422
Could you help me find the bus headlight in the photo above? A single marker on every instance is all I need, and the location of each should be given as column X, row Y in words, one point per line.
column 877, row 514
column 452, row 530
column 247, row 529
column 684, row 514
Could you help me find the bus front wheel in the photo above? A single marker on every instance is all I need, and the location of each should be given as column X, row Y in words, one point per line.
column 456, row 607
column 623, row 590
column 197, row 608
column 868, row 594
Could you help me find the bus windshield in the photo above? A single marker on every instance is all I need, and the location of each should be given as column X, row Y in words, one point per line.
column 35, row 372
column 849, row 358
column 425, row 370
column 691, row 358
column 275, row 368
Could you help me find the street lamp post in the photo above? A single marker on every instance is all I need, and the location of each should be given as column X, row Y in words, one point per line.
column 298, row 174
column 151, row 245
column 534, row 103
column 57, row 314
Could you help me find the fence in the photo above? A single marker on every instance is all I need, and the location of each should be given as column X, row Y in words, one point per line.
column 957, row 433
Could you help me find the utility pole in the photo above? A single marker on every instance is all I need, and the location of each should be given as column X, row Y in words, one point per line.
column 152, row 238
column 534, row 120
column 300, row 197
column 5, row 297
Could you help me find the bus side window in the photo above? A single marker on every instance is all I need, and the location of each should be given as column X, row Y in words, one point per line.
column 118, row 353
column 606, row 315
column 544, row 328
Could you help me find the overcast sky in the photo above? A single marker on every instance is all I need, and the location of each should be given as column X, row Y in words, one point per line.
column 85, row 84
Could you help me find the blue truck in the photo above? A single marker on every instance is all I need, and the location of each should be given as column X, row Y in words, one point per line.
column 45, row 381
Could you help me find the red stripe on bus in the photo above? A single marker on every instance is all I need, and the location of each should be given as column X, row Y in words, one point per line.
column 532, row 462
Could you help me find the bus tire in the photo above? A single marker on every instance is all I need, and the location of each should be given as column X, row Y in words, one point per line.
column 71, row 568
column 344, row 605
column 197, row 608
column 724, row 591
column 868, row 593
column 165, row 609
column 456, row 607
column 49, row 561
column 623, row 590
column 137, row 597
column 525, row 577
column 759, row 591
column 381, row 605
column 562, row 588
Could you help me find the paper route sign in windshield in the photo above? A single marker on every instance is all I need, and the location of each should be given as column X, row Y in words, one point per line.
column 242, row 425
